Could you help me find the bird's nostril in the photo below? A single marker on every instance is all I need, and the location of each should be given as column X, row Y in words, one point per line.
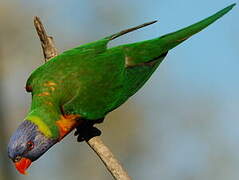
column 17, row 158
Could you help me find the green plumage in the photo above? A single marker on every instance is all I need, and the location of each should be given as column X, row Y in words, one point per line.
column 92, row 80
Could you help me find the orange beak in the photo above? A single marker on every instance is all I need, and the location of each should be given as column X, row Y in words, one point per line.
column 22, row 165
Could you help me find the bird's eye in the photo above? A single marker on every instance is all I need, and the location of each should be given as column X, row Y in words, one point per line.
column 30, row 145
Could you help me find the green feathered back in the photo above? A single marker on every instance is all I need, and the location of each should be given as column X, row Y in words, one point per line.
column 92, row 80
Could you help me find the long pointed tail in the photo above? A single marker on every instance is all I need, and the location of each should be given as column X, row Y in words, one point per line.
column 145, row 51
column 173, row 39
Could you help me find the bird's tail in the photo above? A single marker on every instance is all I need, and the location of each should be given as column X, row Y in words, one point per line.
column 142, row 58
column 146, row 51
column 171, row 40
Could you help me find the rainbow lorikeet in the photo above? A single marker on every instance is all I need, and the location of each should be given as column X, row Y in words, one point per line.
column 80, row 86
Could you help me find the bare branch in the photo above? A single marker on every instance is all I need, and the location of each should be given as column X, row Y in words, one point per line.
column 104, row 153
column 47, row 43
column 107, row 157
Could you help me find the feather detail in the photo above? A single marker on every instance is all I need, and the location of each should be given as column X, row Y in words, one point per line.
column 66, row 124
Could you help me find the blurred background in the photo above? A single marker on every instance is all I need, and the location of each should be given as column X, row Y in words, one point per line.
column 182, row 125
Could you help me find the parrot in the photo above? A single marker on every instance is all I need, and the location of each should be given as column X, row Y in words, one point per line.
column 79, row 87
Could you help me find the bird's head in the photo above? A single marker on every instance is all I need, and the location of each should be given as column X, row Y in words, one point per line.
column 27, row 144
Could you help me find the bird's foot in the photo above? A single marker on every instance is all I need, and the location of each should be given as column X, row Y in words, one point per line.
column 86, row 130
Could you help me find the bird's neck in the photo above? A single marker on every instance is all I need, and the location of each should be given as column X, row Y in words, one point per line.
column 47, row 115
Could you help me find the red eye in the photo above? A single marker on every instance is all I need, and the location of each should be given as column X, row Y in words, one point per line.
column 30, row 145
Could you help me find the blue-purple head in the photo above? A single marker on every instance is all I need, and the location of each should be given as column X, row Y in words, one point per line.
column 27, row 144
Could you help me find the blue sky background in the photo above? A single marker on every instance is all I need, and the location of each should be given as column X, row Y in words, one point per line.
column 185, row 118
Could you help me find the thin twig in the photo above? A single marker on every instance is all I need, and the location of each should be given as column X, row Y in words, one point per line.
column 47, row 43
column 104, row 153
column 107, row 157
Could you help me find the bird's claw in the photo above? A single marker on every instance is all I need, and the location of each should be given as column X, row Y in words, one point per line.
column 86, row 131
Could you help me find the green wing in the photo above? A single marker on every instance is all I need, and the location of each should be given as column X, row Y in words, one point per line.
column 143, row 52
column 121, row 71
column 100, row 84
column 142, row 58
